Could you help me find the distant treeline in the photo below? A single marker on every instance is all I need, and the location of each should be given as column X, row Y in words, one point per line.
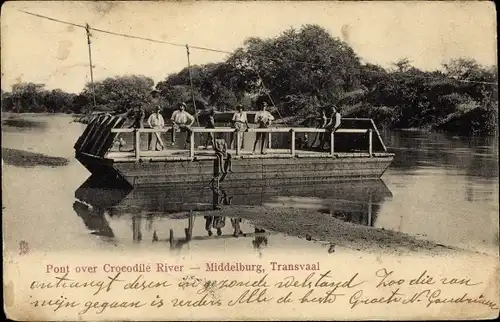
column 301, row 72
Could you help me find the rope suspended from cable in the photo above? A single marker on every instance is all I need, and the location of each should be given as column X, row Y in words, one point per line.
column 268, row 95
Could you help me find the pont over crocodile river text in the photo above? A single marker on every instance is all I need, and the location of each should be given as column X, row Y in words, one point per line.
column 179, row 268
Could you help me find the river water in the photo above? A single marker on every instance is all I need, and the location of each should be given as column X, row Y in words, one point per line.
column 440, row 188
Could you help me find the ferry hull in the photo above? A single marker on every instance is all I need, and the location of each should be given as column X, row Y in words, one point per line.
column 267, row 170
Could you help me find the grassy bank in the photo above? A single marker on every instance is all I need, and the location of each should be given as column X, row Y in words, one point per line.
column 22, row 123
column 21, row 158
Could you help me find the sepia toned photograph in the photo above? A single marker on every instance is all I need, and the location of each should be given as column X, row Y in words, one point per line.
column 261, row 157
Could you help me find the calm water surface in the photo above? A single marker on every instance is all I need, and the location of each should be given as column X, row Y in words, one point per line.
column 439, row 187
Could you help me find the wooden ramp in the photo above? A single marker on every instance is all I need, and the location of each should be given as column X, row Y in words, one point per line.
column 97, row 138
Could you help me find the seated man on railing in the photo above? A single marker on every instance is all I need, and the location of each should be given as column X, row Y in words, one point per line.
column 182, row 121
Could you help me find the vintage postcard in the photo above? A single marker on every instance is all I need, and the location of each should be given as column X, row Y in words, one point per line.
column 260, row 160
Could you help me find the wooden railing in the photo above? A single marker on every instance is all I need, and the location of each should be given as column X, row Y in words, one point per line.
column 291, row 130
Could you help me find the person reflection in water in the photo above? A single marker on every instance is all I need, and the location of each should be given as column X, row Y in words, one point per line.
column 216, row 222
column 236, row 222
column 260, row 240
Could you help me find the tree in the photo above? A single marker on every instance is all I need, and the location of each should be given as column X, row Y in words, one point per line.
column 212, row 84
column 301, row 70
column 26, row 97
column 58, row 101
column 119, row 93
column 402, row 65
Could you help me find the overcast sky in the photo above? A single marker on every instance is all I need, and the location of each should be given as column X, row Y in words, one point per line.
column 43, row 51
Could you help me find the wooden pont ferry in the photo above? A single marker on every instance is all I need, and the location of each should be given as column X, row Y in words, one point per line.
column 356, row 152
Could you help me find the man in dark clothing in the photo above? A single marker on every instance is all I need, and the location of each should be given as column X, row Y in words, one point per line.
column 137, row 115
column 332, row 126
column 138, row 118
column 210, row 125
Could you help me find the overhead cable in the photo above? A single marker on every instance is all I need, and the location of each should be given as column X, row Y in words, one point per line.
column 214, row 49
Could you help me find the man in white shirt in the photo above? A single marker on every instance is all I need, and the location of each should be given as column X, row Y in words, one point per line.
column 263, row 119
column 240, row 123
column 155, row 121
column 182, row 121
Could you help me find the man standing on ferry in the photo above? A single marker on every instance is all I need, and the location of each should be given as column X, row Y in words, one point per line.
column 155, row 121
column 263, row 119
column 240, row 124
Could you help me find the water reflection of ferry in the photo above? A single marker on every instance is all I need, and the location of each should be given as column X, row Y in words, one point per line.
column 168, row 209
column 343, row 196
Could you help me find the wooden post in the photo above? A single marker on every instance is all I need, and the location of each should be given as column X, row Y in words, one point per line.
column 171, row 238
column 87, row 28
column 191, row 83
column 191, row 226
column 292, row 146
column 370, row 210
column 269, row 140
column 191, row 145
column 238, row 143
column 136, row 228
column 370, row 141
column 332, row 143
column 137, row 146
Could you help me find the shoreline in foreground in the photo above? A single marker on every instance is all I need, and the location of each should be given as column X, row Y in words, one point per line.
column 323, row 227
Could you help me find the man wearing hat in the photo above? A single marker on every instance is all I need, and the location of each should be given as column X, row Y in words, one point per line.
column 182, row 121
column 264, row 119
column 156, row 121
column 240, row 123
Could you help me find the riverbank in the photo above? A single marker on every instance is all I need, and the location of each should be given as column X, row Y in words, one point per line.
column 21, row 122
column 323, row 227
column 20, row 158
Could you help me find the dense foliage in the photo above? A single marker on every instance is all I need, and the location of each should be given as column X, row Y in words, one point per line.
column 299, row 72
